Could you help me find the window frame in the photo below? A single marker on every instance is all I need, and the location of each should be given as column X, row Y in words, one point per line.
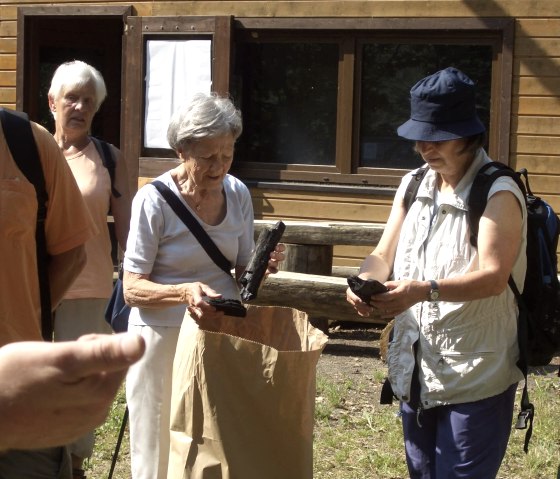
column 496, row 32
column 151, row 162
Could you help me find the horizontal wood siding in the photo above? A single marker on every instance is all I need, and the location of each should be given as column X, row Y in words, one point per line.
column 535, row 117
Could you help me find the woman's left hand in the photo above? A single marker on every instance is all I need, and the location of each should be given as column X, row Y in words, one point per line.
column 276, row 257
column 401, row 296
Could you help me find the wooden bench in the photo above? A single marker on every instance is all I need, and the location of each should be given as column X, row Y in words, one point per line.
column 306, row 281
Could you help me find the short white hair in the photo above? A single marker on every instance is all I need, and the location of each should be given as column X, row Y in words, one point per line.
column 205, row 115
column 76, row 74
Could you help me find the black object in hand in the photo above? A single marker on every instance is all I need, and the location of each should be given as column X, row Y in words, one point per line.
column 252, row 276
column 365, row 288
column 231, row 307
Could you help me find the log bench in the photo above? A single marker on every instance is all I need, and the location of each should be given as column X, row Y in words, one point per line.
column 309, row 244
column 305, row 280
column 323, row 298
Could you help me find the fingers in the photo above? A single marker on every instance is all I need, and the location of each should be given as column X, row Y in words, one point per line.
column 276, row 257
column 106, row 353
column 361, row 308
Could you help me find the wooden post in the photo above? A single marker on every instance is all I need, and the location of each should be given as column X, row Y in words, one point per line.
column 309, row 259
column 306, row 258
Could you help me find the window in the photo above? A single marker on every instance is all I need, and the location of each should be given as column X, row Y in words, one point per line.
column 388, row 71
column 322, row 98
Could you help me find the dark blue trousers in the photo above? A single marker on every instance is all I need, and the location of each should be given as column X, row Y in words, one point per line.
column 466, row 440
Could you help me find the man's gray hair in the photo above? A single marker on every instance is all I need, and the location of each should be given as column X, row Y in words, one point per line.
column 76, row 74
column 206, row 115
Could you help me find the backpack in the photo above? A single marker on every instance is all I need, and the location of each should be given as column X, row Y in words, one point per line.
column 538, row 328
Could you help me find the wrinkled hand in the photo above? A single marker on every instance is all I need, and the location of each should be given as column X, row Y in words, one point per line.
column 401, row 296
column 276, row 257
column 198, row 308
column 53, row 393
column 363, row 309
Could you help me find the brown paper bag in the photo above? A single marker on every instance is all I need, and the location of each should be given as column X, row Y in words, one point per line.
column 244, row 397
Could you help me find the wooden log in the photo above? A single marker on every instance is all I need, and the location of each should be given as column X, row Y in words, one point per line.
column 327, row 233
column 319, row 296
column 311, row 259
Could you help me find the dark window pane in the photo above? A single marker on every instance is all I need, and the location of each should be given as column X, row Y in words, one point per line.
column 287, row 93
column 388, row 73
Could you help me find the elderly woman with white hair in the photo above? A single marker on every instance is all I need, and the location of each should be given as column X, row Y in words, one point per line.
column 76, row 93
column 167, row 271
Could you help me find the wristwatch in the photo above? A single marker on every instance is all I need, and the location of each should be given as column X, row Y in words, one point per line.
column 433, row 295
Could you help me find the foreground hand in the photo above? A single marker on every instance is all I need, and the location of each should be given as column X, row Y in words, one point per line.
column 53, row 393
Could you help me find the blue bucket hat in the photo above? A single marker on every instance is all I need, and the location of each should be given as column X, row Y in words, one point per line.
column 442, row 107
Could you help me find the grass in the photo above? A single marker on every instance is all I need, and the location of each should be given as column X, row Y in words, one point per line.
column 354, row 443
column 370, row 444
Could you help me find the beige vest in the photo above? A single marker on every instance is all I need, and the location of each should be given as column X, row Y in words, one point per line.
column 466, row 351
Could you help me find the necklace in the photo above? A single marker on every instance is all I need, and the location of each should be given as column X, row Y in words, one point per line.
column 188, row 195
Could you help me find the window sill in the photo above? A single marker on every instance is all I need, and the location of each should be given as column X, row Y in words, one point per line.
column 348, row 189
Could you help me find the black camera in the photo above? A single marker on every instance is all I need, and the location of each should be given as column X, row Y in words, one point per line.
column 231, row 307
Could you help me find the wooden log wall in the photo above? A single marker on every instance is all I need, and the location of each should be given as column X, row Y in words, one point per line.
column 535, row 116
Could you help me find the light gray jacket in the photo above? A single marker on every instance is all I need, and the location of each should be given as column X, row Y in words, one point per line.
column 466, row 351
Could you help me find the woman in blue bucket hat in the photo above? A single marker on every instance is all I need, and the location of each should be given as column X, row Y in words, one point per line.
column 452, row 359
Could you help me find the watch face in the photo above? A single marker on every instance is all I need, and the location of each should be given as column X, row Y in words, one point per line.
column 434, row 295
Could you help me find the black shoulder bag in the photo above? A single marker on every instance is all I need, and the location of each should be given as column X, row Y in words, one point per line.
column 231, row 307
column 194, row 226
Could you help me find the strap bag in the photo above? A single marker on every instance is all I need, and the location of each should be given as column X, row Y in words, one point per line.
column 243, row 397
column 117, row 311
column 194, row 226
column 231, row 307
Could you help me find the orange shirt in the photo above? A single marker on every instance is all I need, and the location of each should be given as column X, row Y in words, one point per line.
column 96, row 279
column 67, row 226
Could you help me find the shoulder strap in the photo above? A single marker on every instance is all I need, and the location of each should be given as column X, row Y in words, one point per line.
column 20, row 140
column 194, row 226
column 412, row 188
column 478, row 197
column 108, row 161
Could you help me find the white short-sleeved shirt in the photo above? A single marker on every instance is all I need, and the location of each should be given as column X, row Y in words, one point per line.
column 159, row 244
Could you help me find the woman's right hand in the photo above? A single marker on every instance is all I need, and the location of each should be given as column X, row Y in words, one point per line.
column 197, row 295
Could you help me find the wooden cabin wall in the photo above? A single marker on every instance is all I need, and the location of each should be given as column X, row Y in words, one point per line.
column 535, row 115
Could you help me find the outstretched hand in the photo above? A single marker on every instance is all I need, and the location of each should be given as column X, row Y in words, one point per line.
column 53, row 393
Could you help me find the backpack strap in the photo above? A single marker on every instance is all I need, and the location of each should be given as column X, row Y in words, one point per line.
column 108, row 160
column 527, row 410
column 478, row 196
column 478, row 199
column 20, row 140
column 412, row 187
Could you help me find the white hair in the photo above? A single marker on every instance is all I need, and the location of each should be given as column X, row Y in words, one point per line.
column 205, row 115
column 76, row 74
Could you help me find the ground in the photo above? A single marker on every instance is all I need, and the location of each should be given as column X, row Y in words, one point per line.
column 353, row 353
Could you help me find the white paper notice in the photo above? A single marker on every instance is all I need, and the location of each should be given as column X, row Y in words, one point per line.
column 175, row 70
